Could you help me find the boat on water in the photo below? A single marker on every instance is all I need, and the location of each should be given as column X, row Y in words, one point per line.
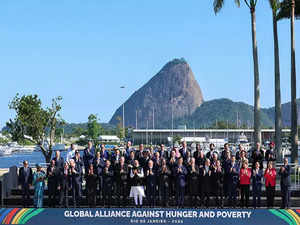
column 5, row 151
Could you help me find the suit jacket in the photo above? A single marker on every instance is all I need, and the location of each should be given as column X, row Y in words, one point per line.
column 25, row 178
column 270, row 155
column 53, row 175
column 75, row 177
column 217, row 179
column 98, row 166
column 257, row 177
column 183, row 152
column 88, row 156
column 205, row 177
column 59, row 163
column 180, row 176
column 285, row 178
column 108, row 176
column 151, row 179
column 164, row 176
column 234, row 173
column 164, row 154
column 121, row 176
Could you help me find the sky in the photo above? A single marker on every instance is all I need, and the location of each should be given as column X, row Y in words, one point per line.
column 85, row 50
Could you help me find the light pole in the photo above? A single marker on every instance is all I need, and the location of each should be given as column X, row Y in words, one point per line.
column 123, row 87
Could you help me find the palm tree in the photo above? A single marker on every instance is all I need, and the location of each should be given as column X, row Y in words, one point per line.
column 275, row 6
column 218, row 4
column 288, row 11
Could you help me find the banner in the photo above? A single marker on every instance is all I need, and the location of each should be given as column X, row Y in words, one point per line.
column 129, row 216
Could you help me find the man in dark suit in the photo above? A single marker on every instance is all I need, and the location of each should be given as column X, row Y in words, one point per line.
column 91, row 186
column 225, row 152
column 270, row 153
column 212, row 150
column 65, row 182
column 285, row 184
column 99, row 165
column 184, row 149
column 234, row 173
column 164, row 174
column 205, row 177
column 88, row 155
column 59, row 161
column 180, row 172
column 108, row 178
column 257, row 156
column 193, row 178
column 53, row 175
column 139, row 153
column 75, row 177
column 25, row 181
column 104, row 153
column 163, row 152
column 121, row 174
column 151, row 180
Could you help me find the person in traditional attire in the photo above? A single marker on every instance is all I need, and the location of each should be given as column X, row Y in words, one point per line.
column 39, row 186
column 137, row 188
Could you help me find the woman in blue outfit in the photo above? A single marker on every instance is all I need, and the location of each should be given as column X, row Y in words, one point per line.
column 39, row 185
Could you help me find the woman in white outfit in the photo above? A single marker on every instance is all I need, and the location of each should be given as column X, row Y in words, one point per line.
column 137, row 188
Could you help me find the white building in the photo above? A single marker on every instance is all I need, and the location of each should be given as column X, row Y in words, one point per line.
column 109, row 138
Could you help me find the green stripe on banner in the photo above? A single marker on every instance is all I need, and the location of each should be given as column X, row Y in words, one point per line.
column 24, row 215
column 34, row 213
column 288, row 215
column 282, row 216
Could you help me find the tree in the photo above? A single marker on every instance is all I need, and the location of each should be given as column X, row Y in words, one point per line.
column 275, row 6
column 93, row 128
column 33, row 122
column 251, row 4
column 287, row 10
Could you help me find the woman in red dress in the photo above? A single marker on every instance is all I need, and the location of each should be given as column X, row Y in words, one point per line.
column 245, row 180
column 270, row 179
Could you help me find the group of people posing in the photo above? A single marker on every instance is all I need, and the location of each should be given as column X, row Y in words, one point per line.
column 160, row 176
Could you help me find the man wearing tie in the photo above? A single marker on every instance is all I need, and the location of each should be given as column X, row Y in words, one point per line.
column 164, row 179
column 151, row 176
column 121, row 172
column 99, row 165
column 88, row 156
column 65, row 186
column 180, row 176
column 75, row 175
column 53, row 182
column 234, row 172
column 25, row 181
column 183, row 151
column 108, row 176
column 59, row 161
column 205, row 174
column 285, row 183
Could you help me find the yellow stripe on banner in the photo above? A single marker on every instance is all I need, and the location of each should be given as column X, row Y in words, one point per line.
column 294, row 215
column 18, row 216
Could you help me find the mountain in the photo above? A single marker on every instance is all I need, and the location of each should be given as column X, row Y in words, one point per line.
column 285, row 112
column 173, row 86
column 224, row 110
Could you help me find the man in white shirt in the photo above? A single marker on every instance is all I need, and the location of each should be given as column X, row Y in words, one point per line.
column 71, row 152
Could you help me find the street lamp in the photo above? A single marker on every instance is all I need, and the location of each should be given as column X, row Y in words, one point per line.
column 123, row 87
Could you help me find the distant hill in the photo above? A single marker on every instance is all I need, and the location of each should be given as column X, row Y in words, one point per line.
column 174, row 85
column 285, row 112
column 225, row 110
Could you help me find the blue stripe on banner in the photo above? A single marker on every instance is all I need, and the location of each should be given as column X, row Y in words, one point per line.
column 5, row 214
